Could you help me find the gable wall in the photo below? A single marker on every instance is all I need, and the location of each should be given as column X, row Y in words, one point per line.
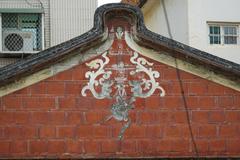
column 51, row 118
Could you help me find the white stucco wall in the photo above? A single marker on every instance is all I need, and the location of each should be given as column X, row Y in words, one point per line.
column 177, row 16
column 188, row 22
column 70, row 18
column 202, row 11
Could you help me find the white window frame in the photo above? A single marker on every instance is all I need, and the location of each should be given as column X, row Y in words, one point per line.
column 29, row 52
column 222, row 34
column 0, row 32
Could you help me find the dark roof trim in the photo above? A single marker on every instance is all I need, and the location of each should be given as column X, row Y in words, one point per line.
column 141, row 3
column 147, row 38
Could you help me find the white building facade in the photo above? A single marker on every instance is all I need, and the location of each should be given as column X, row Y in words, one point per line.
column 29, row 26
column 209, row 25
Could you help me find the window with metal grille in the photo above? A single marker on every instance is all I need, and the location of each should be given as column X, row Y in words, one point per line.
column 21, row 32
column 230, row 35
column 223, row 34
column 215, row 35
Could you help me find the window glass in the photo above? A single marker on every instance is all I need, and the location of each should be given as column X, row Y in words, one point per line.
column 214, row 35
column 230, row 35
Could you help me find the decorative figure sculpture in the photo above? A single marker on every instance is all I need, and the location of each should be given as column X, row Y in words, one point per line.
column 101, row 76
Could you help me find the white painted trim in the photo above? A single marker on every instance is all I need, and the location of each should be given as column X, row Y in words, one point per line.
column 42, row 31
column 0, row 32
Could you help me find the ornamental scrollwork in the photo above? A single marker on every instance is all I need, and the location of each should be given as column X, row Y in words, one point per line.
column 113, row 81
column 104, row 81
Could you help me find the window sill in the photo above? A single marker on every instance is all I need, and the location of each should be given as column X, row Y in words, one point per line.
column 19, row 54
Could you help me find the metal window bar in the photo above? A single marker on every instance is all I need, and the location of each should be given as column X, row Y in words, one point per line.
column 214, row 34
column 21, row 25
column 21, row 32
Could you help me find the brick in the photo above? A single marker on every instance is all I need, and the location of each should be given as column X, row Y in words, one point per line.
column 202, row 145
column 64, row 76
column 173, row 102
column 92, row 147
column 147, row 117
column 101, row 104
column 216, row 116
column 74, row 118
column 217, row 145
column 73, row 88
column 233, row 116
column 84, row 131
column 6, row 118
column 233, row 145
column 38, row 146
column 229, row 131
column 170, row 74
column 226, row 101
column 178, row 89
column 31, row 102
column 179, row 117
column 55, row 88
column 192, row 102
column 12, row 102
column 215, row 89
column 24, row 91
column 207, row 131
column 197, row 88
column 56, row 118
column 20, row 132
column 74, row 146
column 154, row 131
column 78, row 74
column 152, row 102
column 85, row 103
column 140, row 104
column 109, row 146
column 101, row 131
column 164, row 145
column 237, row 101
column 38, row 88
column 39, row 118
column 66, row 132
column 47, row 103
column 207, row 102
column 173, row 131
column 56, row 147
column 163, row 117
column 47, row 132
column 18, row 146
column 93, row 117
column 39, row 103
column 29, row 132
column 180, row 145
column 4, row 147
column 128, row 146
column 135, row 131
column 67, row 102
column 200, row 116
column 21, row 117
column 147, row 146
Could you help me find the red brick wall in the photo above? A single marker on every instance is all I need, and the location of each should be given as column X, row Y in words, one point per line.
column 51, row 118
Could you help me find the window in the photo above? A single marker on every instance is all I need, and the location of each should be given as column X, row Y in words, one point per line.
column 230, row 35
column 21, row 32
column 215, row 35
column 223, row 34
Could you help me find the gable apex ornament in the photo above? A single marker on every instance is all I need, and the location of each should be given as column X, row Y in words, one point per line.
column 129, row 78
